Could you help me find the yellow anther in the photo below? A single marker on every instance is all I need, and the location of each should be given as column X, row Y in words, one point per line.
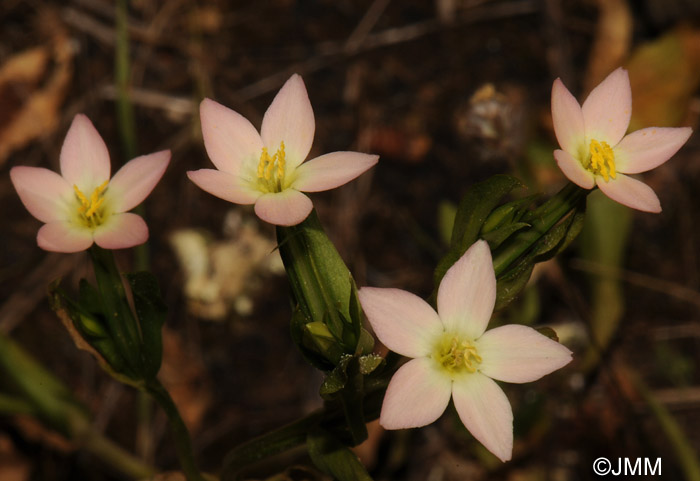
column 281, row 159
column 83, row 200
column 602, row 160
column 457, row 355
column 271, row 170
column 89, row 209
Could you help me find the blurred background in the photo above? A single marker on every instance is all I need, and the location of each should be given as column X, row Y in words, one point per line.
column 447, row 92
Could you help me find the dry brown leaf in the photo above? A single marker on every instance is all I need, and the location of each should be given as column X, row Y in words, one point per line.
column 35, row 431
column 13, row 466
column 612, row 41
column 183, row 375
column 664, row 75
column 32, row 89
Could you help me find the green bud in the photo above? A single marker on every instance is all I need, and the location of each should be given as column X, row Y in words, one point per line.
column 323, row 290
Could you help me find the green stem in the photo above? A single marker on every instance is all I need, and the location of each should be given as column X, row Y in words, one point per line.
column 271, row 443
column 109, row 452
column 183, row 444
column 125, row 110
column 541, row 220
column 295, row 434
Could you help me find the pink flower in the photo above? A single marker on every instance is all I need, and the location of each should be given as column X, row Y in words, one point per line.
column 452, row 355
column 83, row 205
column 266, row 168
column 595, row 150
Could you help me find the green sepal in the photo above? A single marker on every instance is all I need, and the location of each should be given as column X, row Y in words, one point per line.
column 369, row 363
column 150, row 311
column 120, row 321
column 336, row 379
column 366, row 343
column 89, row 329
column 554, row 241
column 548, row 332
column 507, row 213
column 310, row 347
column 496, row 237
column 476, row 206
column 324, row 292
column 334, row 458
column 509, row 285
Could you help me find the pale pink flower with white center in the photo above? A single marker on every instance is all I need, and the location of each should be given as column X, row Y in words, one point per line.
column 267, row 168
column 83, row 205
column 595, row 150
column 454, row 357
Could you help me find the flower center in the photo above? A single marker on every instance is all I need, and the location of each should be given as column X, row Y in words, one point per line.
column 271, row 170
column 602, row 160
column 90, row 209
column 456, row 355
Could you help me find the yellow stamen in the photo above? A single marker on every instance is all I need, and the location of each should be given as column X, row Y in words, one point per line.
column 456, row 354
column 271, row 170
column 602, row 160
column 89, row 210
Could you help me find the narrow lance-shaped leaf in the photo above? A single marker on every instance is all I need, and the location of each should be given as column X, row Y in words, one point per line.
column 333, row 458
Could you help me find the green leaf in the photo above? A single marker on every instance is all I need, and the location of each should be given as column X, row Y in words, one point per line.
column 604, row 241
column 151, row 312
column 333, row 458
column 473, row 210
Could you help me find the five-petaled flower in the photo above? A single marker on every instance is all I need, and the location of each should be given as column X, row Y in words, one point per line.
column 83, row 205
column 454, row 357
column 266, row 168
column 595, row 150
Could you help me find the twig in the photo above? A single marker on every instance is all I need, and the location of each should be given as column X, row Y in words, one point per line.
column 363, row 28
column 33, row 289
column 670, row 288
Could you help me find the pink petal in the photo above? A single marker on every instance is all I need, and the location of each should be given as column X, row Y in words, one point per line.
column 63, row 236
column 630, row 192
column 84, row 156
column 467, row 293
column 288, row 207
column 44, row 193
column 332, row 170
column 515, row 353
column 290, row 119
column 485, row 411
column 224, row 185
column 230, row 139
column 567, row 118
column 573, row 170
column 607, row 110
column 121, row 231
column 648, row 148
column 417, row 395
column 132, row 184
column 404, row 322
